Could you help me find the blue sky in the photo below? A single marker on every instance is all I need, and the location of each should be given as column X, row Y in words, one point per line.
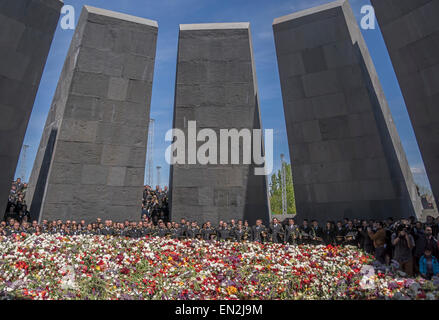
column 260, row 13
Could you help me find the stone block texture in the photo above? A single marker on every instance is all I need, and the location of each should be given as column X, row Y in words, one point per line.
column 216, row 87
column 91, row 159
column 26, row 32
column 347, row 158
column 411, row 31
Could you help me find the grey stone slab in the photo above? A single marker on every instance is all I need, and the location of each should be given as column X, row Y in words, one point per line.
column 293, row 88
column 138, row 91
column 133, row 176
column 411, row 32
column 303, row 111
column 328, row 106
column 345, row 150
column 26, row 32
column 321, row 83
column 118, row 89
column 91, row 159
column 314, row 60
column 138, row 67
column 116, row 176
column 90, row 84
column 216, row 86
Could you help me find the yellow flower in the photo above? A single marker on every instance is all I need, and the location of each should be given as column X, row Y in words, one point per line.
column 98, row 268
column 231, row 290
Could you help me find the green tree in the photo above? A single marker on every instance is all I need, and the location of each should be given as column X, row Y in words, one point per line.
column 276, row 192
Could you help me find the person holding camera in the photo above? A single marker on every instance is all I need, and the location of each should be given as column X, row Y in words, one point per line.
column 404, row 243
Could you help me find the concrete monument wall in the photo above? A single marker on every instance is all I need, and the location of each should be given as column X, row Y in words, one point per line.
column 26, row 32
column 347, row 158
column 216, row 87
column 91, row 159
column 411, row 32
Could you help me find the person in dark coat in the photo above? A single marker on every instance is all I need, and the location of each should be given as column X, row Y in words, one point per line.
column 107, row 230
column 292, row 232
column 351, row 235
column 339, row 233
column 365, row 241
column 239, row 233
column 305, row 232
column 162, row 230
column 225, row 232
column 424, row 240
column 316, row 233
column 329, row 233
column 208, row 232
column 276, row 231
column 194, row 231
column 259, row 232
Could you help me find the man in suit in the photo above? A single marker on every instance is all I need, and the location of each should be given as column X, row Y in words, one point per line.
column 259, row 232
column 208, row 232
column 275, row 230
column 107, row 230
column 351, row 235
column 194, row 231
column 225, row 232
column 184, row 227
column 291, row 232
column 305, row 230
column 316, row 233
column 239, row 233
column 339, row 233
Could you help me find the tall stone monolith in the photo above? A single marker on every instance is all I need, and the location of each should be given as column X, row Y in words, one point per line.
column 26, row 32
column 347, row 158
column 91, row 159
column 411, row 32
column 216, row 87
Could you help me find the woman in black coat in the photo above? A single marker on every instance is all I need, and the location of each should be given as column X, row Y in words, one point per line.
column 329, row 233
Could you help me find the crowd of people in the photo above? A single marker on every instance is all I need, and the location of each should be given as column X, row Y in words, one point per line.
column 17, row 207
column 411, row 244
column 155, row 203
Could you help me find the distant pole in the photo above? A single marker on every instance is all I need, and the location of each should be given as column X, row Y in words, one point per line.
column 150, row 154
column 158, row 175
column 23, row 166
column 284, row 186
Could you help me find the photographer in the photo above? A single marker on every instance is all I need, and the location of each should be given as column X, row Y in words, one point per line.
column 404, row 244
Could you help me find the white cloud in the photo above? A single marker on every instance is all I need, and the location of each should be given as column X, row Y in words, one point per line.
column 418, row 169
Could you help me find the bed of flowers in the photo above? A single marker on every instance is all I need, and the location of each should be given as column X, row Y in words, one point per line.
column 96, row 267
